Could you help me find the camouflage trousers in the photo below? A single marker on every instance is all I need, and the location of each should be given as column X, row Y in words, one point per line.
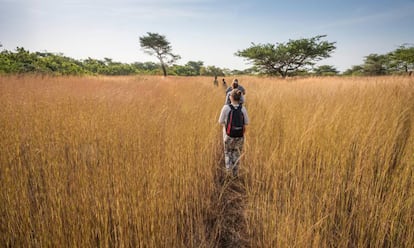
column 233, row 148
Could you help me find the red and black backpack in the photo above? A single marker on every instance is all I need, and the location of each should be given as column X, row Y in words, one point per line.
column 235, row 122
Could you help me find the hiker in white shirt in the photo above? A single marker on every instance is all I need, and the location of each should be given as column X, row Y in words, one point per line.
column 233, row 146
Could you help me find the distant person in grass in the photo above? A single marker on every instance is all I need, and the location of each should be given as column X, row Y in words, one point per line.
column 215, row 80
column 224, row 83
column 233, row 146
column 235, row 85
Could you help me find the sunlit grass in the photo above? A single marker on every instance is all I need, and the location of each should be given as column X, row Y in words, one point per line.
column 131, row 161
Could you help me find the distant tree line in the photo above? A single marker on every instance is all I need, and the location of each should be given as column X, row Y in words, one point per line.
column 293, row 58
column 45, row 63
column 399, row 61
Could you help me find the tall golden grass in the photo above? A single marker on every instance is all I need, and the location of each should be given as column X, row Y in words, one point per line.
column 135, row 162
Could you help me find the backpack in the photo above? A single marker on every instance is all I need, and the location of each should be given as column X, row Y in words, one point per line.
column 235, row 122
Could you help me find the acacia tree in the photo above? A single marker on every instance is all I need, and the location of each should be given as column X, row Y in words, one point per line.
column 325, row 70
column 402, row 58
column 156, row 44
column 284, row 58
column 195, row 67
column 355, row 70
column 376, row 64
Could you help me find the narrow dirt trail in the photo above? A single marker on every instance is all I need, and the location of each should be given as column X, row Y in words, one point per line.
column 226, row 224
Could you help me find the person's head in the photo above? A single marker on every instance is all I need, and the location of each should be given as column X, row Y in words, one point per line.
column 235, row 95
column 235, row 84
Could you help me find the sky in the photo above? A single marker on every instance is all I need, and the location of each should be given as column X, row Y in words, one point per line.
column 211, row 31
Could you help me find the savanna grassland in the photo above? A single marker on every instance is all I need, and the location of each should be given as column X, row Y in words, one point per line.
column 136, row 162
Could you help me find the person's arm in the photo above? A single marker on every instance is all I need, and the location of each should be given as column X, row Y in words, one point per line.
column 246, row 116
column 243, row 90
column 242, row 99
column 246, row 119
column 227, row 101
column 223, row 115
column 228, row 90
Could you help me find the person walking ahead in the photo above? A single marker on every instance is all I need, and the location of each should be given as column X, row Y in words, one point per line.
column 224, row 83
column 233, row 118
column 235, row 85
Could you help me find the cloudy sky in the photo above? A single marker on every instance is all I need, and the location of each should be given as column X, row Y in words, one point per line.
column 204, row 30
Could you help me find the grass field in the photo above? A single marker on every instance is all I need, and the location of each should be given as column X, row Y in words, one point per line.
column 136, row 162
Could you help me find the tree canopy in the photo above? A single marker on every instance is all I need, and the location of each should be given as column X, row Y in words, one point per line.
column 284, row 58
column 325, row 70
column 158, row 45
column 24, row 61
column 376, row 64
column 397, row 62
column 402, row 58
